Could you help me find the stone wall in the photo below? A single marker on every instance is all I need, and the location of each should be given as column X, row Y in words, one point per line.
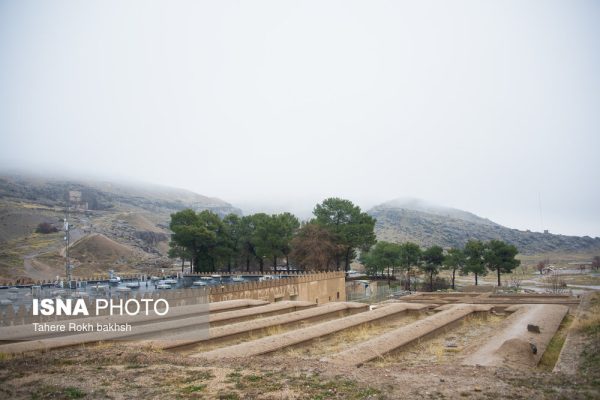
column 319, row 288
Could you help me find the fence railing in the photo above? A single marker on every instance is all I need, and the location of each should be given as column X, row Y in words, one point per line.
column 373, row 294
column 142, row 277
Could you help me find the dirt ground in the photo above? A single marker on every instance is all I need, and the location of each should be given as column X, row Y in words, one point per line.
column 117, row 372
column 425, row 370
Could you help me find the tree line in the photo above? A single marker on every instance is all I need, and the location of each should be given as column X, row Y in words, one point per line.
column 328, row 241
column 331, row 240
column 475, row 258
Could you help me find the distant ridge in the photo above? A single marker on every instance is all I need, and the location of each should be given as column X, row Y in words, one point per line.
column 411, row 203
column 102, row 195
column 120, row 226
column 415, row 220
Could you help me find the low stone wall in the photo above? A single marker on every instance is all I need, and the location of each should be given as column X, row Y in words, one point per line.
column 318, row 288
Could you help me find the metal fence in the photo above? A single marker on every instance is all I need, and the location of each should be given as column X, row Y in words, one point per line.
column 372, row 292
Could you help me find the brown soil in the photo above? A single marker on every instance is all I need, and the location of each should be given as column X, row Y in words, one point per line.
column 122, row 371
column 98, row 247
column 118, row 372
column 346, row 339
column 512, row 344
column 19, row 221
column 140, row 222
column 449, row 345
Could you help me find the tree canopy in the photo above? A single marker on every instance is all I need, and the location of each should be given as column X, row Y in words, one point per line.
column 410, row 256
column 314, row 247
column 433, row 258
column 197, row 233
column 339, row 231
column 352, row 228
column 474, row 262
column 500, row 257
column 210, row 242
column 455, row 260
column 381, row 258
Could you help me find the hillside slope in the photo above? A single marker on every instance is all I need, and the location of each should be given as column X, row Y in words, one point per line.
column 425, row 224
column 114, row 226
column 100, row 196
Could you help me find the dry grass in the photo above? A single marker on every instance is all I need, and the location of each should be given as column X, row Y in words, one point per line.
column 589, row 321
column 339, row 341
column 436, row 350
column 225, row 342
column 555, row 346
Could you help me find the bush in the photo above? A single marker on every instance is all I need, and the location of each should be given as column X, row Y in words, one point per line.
column 45, row 228
column 438, row 284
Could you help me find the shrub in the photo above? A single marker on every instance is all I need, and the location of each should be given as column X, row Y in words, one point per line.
column 45, row 228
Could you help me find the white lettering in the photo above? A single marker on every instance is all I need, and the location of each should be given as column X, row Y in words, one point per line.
column 47, row 306
column 156, row 307
column 118, row 307
column 63, row 306
column 73, row 327
column 59, row 306
column 137, row 310
column 101, row 304
column 46, row 327
column 80, row 308
column 146, row 301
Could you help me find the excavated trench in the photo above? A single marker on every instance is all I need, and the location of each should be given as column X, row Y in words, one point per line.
column 237, row 333
column 336, row 342
column 346, row 333
column 447, row 345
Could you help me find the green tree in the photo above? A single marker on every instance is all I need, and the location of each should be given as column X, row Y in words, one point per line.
column 246, row 244
column 474, row 262
column 500, row 256
column 382, row 257
column 314, row 248
column 433, row 258
column 231, row 239
column 198, row 234
column 352, row 228
column 254, row 239
column 183, row 224
column 262, row 240
column 410, row 256
column 209, row 243
column 285, row 226
column 455, row 260
column 176, row 251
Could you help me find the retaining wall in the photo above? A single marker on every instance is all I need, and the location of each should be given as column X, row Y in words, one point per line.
column 318, row 288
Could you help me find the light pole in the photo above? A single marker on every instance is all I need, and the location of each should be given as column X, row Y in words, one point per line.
column 67, row 240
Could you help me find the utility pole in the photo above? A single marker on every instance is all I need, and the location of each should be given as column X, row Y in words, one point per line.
column 67, row 240
column 540, row 206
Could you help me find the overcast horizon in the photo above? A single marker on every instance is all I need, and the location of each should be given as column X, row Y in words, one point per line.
column 489, row 107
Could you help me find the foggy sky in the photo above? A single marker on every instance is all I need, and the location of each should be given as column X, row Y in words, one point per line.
column 487, row 106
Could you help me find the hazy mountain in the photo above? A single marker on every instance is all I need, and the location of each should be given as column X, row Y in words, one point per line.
column 102, row 195
column 414, row 204
column 114, row 225
column 427, row 224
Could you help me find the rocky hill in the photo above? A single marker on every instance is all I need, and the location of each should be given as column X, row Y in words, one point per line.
column 100, row 196
column 114, row 226
column 417, row 221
